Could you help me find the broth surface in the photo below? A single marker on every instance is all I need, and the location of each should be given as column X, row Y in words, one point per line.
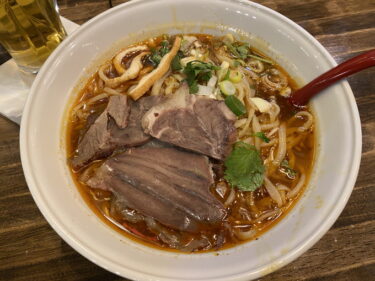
column 249, row 213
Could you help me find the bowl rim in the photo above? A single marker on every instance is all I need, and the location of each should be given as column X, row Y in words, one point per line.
column 93, row 255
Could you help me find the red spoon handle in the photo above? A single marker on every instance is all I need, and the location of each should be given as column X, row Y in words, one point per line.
column 353, row 65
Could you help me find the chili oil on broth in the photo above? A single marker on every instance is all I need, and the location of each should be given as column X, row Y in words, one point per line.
column 249, row 213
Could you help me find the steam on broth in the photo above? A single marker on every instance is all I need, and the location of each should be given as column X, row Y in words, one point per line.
column 187, row 142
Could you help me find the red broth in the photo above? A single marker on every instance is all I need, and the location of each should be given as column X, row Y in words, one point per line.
column 249, row 213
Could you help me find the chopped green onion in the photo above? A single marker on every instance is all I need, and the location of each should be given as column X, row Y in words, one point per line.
column 226, row 77
column 227, row 88
column 235, row 105
column 235, row 76
column 222, row 72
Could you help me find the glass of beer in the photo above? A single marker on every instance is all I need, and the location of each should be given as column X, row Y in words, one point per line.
column 30, row 30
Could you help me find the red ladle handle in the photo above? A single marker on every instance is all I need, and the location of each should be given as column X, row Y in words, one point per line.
column 353, row 65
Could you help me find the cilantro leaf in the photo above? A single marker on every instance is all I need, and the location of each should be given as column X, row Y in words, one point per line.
column 176, row 64
column 158, row 53
column 244, row 167
column 238, row 51
column 262, row 136
column 198, row 71
column 193, row 87
column 242, row 51
column 155, row 58
column 164, row 48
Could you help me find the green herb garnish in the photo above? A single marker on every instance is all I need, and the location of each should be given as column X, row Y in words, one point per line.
column 164, row 48
column 243, row 52
column 235, row 105
column 155, row 58
column 260, row 58
column 286, row 169
column 198, row 71
column 176, row 64
column 158, row 53
column 244, row 167
column 227, row 88
column 238, row 51
column 262, row 136
column 226, row 77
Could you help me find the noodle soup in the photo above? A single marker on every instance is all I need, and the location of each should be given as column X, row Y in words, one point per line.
column 188, row 142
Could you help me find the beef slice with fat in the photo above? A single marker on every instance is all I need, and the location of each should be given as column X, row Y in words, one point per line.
column 193, row 122
column 165, row 183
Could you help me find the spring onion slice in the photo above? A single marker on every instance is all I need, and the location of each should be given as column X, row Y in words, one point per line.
column 222, row 72
column 227, row 88
column 235, row 76
column 235, row 105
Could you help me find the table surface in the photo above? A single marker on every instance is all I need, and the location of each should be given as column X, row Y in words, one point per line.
column 31, row 250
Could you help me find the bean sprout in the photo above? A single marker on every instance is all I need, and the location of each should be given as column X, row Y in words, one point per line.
column 282, row 145
column 297, row 188
column 273, row 192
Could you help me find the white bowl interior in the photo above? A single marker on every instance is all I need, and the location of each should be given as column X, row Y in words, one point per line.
column 43, row 155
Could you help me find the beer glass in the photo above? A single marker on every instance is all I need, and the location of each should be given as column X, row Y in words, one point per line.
column 30, row 30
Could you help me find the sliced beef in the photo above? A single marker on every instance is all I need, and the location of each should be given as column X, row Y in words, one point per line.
column 94, row 143
column 119, row 125
column 193, row 122
column 165, row 183
column 157, row 143
column 119, row 110
column 133, row 134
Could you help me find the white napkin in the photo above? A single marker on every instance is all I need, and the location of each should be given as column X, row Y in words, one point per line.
column 15, row 85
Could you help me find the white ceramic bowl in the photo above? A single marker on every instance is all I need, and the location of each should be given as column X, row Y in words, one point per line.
column 43, row 154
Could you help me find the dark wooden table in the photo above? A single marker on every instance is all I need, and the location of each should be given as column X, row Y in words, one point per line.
column 31, row 250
